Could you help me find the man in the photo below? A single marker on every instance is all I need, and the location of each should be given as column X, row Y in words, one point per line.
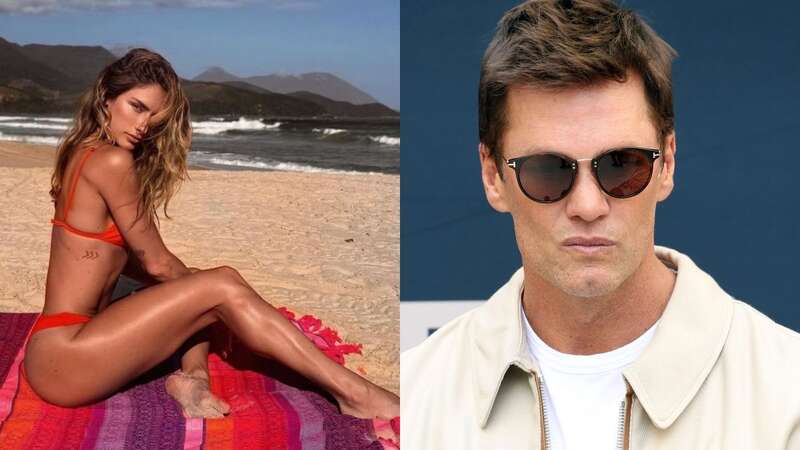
column 601, row 340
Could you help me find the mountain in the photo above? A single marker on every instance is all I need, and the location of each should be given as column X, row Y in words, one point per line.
column 338, row 108
column 247, row 86
column 22, row 72
column 331, row 107
column 217, row 98
column 120, row 50
column 319, row 83
column 80, row 63
column 49, row 79
column 217, row 75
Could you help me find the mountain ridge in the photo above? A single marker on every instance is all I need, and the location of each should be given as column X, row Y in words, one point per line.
column 320, row 83
column 49, row 79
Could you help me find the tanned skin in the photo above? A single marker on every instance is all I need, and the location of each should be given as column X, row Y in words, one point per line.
column 80, row 364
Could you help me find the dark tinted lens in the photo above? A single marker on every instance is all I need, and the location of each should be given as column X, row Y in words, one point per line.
column 624, row 173
column 546, row 178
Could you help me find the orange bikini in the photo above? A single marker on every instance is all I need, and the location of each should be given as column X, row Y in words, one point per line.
column 53, row 320
column 110, row 235
column 57, row 320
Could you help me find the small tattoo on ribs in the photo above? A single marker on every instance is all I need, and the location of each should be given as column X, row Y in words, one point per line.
column 90, row 254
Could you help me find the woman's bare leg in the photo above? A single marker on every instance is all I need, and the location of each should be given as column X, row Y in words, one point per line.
column 134, row 334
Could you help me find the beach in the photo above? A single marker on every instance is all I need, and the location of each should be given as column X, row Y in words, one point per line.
column 326, row 244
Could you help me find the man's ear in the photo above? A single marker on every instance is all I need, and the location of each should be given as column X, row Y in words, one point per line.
column 666, row 176
column 493, row 185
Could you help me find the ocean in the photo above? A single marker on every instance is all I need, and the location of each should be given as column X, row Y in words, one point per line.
column 242, row 143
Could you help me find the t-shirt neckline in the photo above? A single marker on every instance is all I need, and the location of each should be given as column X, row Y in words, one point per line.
column 586, row 364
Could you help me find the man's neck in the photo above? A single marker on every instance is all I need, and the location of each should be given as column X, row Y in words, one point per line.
column 585, row 326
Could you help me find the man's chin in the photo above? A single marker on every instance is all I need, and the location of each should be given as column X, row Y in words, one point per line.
column 590, row 284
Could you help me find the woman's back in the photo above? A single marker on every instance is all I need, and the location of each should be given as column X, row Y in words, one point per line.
column 87, row 253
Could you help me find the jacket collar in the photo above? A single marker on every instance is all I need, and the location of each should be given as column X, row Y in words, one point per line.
column 499, row 343
column 686, row 345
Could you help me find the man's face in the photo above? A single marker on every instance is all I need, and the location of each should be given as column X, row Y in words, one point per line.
column 579, row 123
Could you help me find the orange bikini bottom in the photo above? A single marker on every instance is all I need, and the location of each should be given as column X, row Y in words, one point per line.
column 55, row 320
column 58, row 320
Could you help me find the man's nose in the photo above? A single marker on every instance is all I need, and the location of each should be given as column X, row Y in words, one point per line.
column 586, row 200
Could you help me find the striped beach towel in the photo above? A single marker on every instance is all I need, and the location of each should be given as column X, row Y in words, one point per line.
column 271, row 407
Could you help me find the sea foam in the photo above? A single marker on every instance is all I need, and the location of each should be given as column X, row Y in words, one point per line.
column 385, row 140
column 45, row 126
column 328, row 131
column 52, row 119
column 275, row 165
column 37, row 119
column 214, row 126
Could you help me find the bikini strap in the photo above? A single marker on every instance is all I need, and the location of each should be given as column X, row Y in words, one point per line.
column 75, row 182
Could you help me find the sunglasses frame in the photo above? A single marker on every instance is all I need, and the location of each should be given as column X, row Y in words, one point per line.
column 516, row 164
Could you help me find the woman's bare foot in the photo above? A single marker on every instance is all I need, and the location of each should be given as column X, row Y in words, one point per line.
column 193, row 393
column 372, row 401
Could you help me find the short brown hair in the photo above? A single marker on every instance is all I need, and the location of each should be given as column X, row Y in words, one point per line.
column 560, row 43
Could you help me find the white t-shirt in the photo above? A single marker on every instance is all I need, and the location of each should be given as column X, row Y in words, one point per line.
column 584, row 393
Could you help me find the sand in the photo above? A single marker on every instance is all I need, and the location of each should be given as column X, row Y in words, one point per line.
column 321, row 244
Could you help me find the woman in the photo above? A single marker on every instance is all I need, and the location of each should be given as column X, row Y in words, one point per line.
column 122, row 159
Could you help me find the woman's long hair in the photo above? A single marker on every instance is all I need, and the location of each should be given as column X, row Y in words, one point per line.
column 160, row 157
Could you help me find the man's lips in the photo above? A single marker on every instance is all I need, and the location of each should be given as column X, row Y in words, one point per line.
column 587, row 244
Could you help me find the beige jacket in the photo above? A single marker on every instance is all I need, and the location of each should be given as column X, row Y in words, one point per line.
column 717, row 375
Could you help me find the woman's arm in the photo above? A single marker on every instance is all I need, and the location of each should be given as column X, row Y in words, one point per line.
column 113, row 173
column 133, row 269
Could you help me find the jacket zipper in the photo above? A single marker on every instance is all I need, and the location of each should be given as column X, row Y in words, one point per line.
column 544, row 424
column 623, row 443
column 624, row 431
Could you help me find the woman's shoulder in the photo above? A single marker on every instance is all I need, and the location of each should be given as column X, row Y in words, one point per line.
column 107, row 163
column 108, row 157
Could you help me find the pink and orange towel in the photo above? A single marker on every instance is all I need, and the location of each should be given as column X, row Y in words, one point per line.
column 271, row 407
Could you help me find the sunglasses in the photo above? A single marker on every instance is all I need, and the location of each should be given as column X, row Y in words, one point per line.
column 548, row 177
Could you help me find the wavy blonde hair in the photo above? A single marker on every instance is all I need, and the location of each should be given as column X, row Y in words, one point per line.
column 160, row 157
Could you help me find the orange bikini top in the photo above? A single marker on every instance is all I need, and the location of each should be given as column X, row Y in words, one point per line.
column 110, row 235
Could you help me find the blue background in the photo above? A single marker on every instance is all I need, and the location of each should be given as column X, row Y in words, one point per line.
column 734, row 209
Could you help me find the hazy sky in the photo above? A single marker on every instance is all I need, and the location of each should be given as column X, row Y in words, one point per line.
column 357, row 40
